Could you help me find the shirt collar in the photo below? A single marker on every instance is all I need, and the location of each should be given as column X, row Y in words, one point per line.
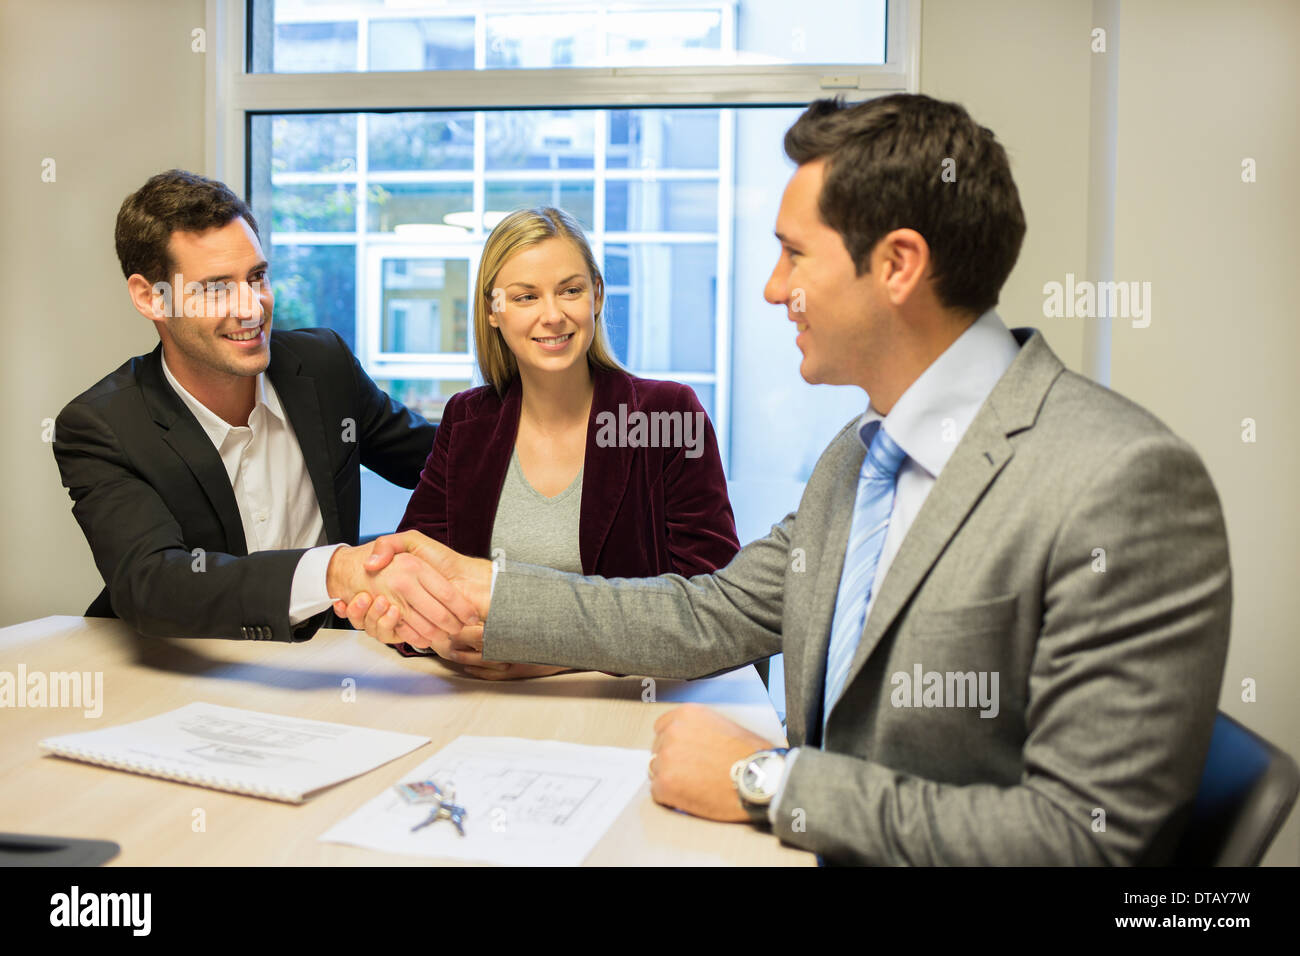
column 932, row 415
column 216, row 427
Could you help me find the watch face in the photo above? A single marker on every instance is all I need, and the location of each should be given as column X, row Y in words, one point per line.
column 758, row 782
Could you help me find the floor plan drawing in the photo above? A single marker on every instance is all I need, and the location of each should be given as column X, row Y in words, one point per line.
column 539, row 796
column 529, row 802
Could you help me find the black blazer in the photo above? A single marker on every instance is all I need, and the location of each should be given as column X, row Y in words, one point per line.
column 149, row 489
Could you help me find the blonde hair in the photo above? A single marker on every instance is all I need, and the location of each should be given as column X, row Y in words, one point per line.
column 518, row 231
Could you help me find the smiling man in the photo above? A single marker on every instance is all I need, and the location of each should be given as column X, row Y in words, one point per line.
column 217, row 478
column 1004, row 598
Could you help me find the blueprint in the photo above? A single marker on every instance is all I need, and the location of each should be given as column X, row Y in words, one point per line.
column 527, row 802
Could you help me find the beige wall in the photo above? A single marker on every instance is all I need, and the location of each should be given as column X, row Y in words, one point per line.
column 1202, row 86
column 111, row 91
column 1020, row 68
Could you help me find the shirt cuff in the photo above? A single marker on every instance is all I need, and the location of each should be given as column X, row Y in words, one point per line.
column 493, row 586
column 308, row 595
column 780, row 788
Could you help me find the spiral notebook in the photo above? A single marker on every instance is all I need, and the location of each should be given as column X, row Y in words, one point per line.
column 242, row 751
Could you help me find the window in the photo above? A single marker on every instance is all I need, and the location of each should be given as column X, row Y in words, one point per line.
column 381, row 139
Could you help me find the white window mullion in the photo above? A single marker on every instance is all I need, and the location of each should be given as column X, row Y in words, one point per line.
column 367, row 332
column 598, row 193
column 722, row 330
column 480, row 170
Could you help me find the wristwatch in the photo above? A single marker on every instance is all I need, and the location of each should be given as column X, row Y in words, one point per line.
column 757, row 778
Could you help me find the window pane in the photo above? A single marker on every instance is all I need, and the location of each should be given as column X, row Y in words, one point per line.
column 664, row 37
column 575, row 198
column 544, row 139
column 424, row 395
column 315, row 287
column 705, row 394
column 425, row 305
column 534, row 41
column 673, row 206
column 661, row 304
column 406, row 141
column 390, row 205
column 663, row 139
column 328, row 208
column 315, row 47
column 291, row 36
column 320, row 143
column 445, row 43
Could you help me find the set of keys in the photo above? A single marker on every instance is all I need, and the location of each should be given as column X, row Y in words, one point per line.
column 440, row 800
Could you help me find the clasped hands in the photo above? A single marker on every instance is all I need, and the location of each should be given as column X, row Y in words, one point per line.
column 429, row 596
column 410, row 588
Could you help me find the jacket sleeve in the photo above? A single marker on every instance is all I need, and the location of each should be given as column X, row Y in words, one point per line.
column 669, row 626
column 701, row 526
column 155, row 582
column 1121, row 699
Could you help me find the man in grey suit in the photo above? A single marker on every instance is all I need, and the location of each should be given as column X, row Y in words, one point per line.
column 1004, row 598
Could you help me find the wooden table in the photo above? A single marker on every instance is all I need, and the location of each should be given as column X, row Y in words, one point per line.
column 154, row 820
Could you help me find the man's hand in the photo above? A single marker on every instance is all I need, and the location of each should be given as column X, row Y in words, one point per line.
column 694, row 750
column 381, row 619
column 424, row 593
column 499, row 670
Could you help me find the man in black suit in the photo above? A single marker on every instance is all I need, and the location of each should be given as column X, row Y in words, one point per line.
column 217, row 479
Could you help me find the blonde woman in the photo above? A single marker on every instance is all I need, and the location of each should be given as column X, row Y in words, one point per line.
column 550, row 463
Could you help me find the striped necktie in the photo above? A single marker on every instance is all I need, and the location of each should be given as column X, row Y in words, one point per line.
column 871, row 513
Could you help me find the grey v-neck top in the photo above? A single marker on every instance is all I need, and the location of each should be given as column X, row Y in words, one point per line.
column 534, row 529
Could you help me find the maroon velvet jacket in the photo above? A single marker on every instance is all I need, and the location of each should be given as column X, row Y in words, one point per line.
column 645, row 511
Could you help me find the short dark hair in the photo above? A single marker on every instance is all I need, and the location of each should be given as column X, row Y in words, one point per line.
column 885, row 171
column 172, row 201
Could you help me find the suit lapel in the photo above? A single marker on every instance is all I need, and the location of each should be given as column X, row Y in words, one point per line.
column 979, row 457
column 186, row 437
column 981, row 454
column 478, row 455
column 837, row 518
column 302, row 406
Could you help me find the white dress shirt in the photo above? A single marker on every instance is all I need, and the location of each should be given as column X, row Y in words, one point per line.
column 277, row 503
column 927, row 422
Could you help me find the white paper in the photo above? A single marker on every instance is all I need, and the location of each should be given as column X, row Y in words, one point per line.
column 527, row 802
column 267, row 755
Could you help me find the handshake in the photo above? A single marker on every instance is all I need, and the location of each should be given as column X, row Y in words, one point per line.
column 409, row 588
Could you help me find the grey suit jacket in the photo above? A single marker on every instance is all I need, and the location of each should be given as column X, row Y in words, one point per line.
column 1072, row 546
